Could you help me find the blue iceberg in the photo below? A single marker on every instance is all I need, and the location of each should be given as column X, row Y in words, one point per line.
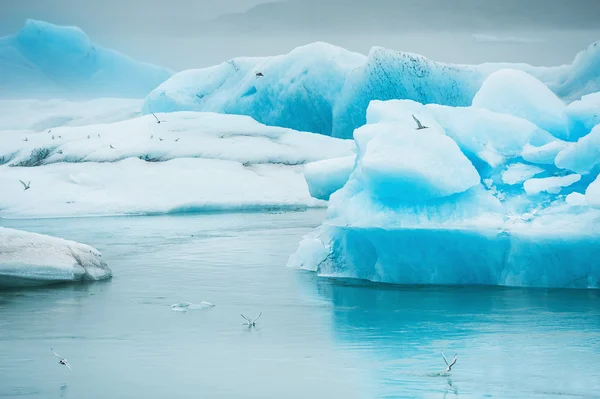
column 325, row 89
column 486, row 194
column 43, row 60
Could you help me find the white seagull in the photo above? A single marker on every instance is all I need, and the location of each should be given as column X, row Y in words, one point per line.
column 419, row 124
column 26, row 186
column 62, row 360
column 251, row 323
column 449, row 366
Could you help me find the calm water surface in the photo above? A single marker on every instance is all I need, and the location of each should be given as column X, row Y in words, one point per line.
column 317, row 338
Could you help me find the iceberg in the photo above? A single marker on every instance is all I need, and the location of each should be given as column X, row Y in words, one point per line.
column 297, row 90
column 192, row 162
column 327, row 176
column 326, row 89
column 475, row 198
column 583, row 156
column 517, row 93
column 44, row 60
column 28, row 259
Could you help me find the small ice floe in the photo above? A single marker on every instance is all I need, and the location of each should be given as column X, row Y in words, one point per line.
column 185, row 306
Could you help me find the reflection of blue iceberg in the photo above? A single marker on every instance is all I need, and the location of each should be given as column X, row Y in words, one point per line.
column 326, row 89
column 484, row 195
column 398, row 333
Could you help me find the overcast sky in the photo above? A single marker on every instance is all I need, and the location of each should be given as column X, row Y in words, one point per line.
column 184, row 34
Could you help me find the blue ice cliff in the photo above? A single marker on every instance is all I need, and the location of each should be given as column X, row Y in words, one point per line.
column 326, row 89
column 43, row 60
column 490, row 193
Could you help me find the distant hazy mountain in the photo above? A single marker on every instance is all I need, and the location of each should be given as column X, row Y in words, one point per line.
column 410, row 15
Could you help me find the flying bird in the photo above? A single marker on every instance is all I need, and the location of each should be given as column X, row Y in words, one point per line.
column 62, row 360
column 155, row 117
column 419, row 124
column 251, row 323
column 449, row 366
column 98, row 134
column 52, row 137
column 151, row 136
column 259, row 74
column 26, row 186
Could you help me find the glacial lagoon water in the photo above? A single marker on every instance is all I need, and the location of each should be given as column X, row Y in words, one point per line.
column 317, row 338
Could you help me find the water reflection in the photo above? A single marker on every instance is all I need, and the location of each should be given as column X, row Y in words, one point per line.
column 508, row 340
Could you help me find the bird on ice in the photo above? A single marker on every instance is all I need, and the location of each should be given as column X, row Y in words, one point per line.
column 25, row 139
column 112, row 147
column 452, row 363
column 160, row 139
column 89, row 136
column 259, row 74
column 251, row 323
column 177, row 139
column 62, row 360
column 420, row 126
column 26, row 186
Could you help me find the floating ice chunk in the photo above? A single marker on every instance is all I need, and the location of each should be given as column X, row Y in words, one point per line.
column 35, row 259
column 552, row 185
column 407, row 165
column 518, row 173
column 583, row 156
column 545, row 154
column 576, row 199
column 185, row 306
column 583, row 115
column 517, row 93
column 327, row 176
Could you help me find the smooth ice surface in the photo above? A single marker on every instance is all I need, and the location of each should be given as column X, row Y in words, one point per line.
column 297, row 90
column 518, row 173
column 28, row 259
column 374, row 341
column 399, row 164
column 42, row 115
column 190, row 162
column 583, row 115
column 592, row 194
column 576, row 199
column 327, row 176
column 44, row 60
column 552, row 185
column 583, row 156
column 545, row 154
column 517, row 93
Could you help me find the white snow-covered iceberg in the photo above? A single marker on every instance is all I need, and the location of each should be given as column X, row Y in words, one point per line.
column 191, row 161
column 29, row 259
column 326, row 89
column 475, row 198
column 327, row 176
column 44, row 60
